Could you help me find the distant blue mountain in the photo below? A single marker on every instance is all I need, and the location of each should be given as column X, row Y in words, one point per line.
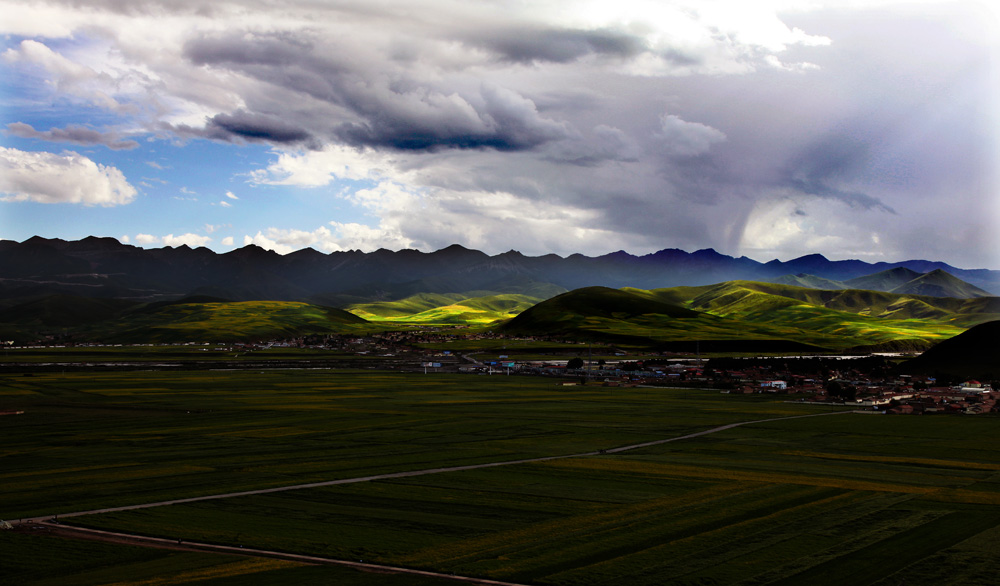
column 105, row 268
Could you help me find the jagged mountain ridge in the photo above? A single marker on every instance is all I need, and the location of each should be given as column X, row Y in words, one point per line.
column 900, row 280
column 105, row 268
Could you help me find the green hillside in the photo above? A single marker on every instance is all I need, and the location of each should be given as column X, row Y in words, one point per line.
column 748, row 310
column 226, row 321
column 737, row 298
column 629, row 317
column 811, row 281
column 479, row 308
column 63, row 311
column 731, row 311
column 855, row 317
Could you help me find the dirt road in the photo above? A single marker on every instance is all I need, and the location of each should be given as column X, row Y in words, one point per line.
column 70, row 531
column 410, row 473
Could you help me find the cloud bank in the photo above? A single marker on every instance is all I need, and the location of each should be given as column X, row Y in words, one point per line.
column 772, row 128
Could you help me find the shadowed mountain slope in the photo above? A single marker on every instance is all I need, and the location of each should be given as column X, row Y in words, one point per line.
column 939, row 283
column 104, row 268
column 975, row 352
column 884, row 280
column 811, row 281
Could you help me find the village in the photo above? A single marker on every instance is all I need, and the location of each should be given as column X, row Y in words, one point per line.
column 872, row 383
column 869, row 382
column 895, row 394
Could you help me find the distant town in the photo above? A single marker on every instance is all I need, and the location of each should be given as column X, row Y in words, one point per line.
column 871, row 383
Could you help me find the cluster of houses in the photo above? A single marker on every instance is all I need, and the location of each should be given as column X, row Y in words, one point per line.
column 890, row 394
column 884, row 392
column 873, row 387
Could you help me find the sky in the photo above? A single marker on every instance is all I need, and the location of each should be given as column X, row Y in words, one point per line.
column 773, row 129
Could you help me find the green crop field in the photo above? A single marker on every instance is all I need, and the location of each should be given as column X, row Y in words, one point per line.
column 841, row 499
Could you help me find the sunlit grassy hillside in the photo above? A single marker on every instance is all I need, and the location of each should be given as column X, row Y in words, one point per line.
column 744, row 310
column 446, row 309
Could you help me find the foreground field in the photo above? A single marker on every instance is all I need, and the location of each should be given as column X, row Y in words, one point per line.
column 850, row 499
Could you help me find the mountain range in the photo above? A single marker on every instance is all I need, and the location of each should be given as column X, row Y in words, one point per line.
column 105, row 268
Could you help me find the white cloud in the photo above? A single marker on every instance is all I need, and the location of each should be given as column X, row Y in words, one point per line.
column 231, row 195
column 351, row 235
column 227, row 241
column 322, row 167
column 225, row 204
column 190, row 239
column 343, row 236
column 789, row 227
column 69, row 77
column 65, row 178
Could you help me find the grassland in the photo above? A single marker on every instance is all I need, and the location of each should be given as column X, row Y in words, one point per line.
column 748, row 311
column 755, row 301
column 445, row 309
column 179, row 322
column 232, row 321
column 831, row 500
column 735, row 311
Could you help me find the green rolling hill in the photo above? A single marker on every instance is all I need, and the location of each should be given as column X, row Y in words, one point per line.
column 64, row 311
column 811, row 281
column 186, row 320
column 742, row 299
column 474, row 308
column 231, row 321
column 751, row 313
column 749, row 310
column 629, row 317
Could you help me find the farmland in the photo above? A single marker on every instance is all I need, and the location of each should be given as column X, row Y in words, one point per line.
column 864, row 499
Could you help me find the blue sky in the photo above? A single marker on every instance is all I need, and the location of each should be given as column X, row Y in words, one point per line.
column 768, row 129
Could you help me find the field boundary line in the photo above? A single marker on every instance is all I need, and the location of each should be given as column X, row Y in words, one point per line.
column 164, row 543
column 411, row 473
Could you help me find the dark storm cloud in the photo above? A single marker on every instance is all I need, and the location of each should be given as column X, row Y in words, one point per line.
column 272, row 49
column 73, row 134
column 528, row 45
column 370, row 108
column 255, row 128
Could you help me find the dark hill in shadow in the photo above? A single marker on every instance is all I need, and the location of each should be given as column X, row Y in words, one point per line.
column 973, row 353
